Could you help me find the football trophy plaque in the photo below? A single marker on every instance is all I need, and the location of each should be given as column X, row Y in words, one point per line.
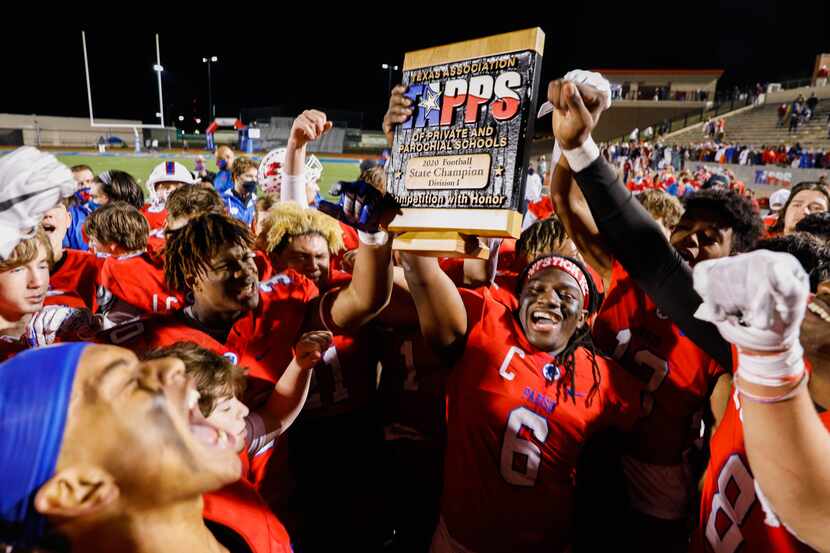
column 459, row 163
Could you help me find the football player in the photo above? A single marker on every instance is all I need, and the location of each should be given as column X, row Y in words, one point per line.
column 165, row 178
column 67, row 414
column 524, row 393
column 771, row 430
column 130, row 282
column 677, row 376
column 74, row 272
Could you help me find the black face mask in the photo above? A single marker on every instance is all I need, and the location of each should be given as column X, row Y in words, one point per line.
column 249, row 187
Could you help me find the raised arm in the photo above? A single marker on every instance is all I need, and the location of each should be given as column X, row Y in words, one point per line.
column 573, row 211
column 786, row 441
column 307, row 127
column 441, row 311
column 291, row 390
column 631, row 235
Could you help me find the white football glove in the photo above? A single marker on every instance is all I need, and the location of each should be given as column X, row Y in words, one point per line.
column 758, row 301
column 31, row 183
column 55, row 321
column 578, row 76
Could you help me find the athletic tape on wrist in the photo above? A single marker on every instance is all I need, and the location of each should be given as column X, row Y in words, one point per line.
column 293, row 189
column 379, row 238
column 791, row 393
column 772, row 370
column 582, row 156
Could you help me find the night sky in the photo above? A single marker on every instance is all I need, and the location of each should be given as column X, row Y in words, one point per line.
column 268, row 58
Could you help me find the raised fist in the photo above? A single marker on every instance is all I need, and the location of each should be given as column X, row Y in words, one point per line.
column 309, row 349
column 758, row 301
column 309, row 126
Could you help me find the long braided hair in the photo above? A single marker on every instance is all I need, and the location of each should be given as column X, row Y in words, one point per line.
column 581, row 338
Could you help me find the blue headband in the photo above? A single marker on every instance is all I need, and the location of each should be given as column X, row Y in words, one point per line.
column 35, row 387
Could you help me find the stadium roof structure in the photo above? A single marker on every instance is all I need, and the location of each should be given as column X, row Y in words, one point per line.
column 687, row 72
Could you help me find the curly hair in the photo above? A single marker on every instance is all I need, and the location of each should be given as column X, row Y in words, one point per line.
column 581, row 338
column 542, row 237
column 214, row 375
column 661, row 205
column 190, row 249
column 813, row 254
column 731, row 211
column 800, row 187
column 817, row 224
column 286, row 220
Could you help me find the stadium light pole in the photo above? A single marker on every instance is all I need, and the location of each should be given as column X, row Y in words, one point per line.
column 211, row 109
column 389, row 69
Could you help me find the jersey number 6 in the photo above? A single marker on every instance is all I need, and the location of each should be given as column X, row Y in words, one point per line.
column 520, row 458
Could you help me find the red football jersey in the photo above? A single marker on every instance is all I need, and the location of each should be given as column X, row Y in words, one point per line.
column 676, row 378
column 239, row 507
column 133, row 286
column 732, row 516
column 350, row 242
column 512, row 444
column 261, row 340
column 156, row 244
column 156, row 216
column 412, row 385
column 263, row 265
column 72, row 280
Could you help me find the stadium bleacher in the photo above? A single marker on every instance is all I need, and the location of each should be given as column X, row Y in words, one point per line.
column 758, row 126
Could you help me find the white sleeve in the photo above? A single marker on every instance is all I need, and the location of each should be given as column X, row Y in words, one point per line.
column 292, row 189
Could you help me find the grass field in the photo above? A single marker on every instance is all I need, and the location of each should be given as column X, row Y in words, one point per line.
column 140, row 166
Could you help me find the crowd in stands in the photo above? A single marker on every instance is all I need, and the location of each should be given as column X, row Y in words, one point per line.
column 235, row 364
column 656, row 155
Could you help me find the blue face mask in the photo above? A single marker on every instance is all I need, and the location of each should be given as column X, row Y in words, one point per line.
column 92, row 205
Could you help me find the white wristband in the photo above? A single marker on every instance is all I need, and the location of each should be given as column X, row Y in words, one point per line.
column 556, row 154
column 772, row 370
column 378, row 238
column 582, row 156
column 292, row 189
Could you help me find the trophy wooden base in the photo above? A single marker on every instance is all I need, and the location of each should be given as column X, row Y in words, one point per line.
column 438, row 244
column 493, row 223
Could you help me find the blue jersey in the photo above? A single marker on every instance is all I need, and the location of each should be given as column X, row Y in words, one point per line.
column 238, row 208
column 223, row 182
column 74, row 238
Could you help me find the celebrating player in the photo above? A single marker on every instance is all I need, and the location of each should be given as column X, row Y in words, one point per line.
column 66, row 413
column 524, row 393
column 661, row 272
column 771, row 429
column 74, row 272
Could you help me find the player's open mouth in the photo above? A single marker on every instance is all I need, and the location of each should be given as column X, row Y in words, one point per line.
column 820, row 307
column 544, row 321
column 248, row 290
column 204, row 432
column 48, row 227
